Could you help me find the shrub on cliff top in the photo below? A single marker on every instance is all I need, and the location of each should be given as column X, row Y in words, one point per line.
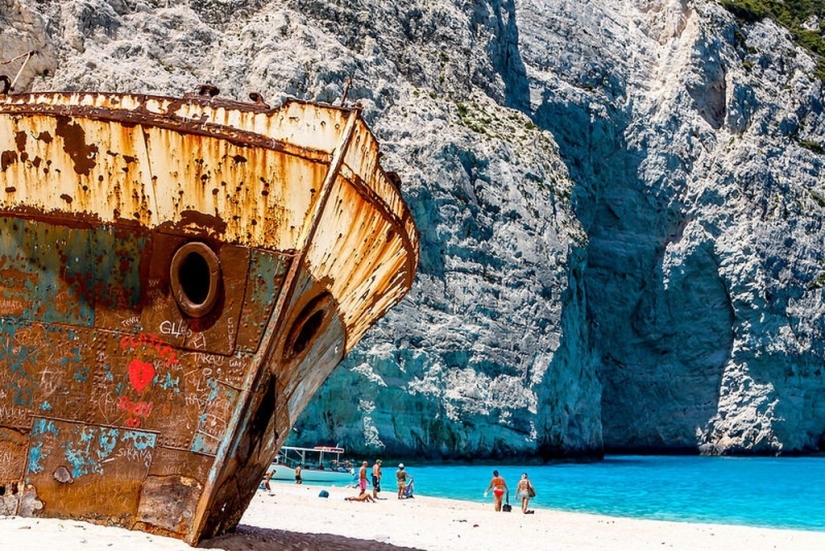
column 794, row 15
column 747, row 10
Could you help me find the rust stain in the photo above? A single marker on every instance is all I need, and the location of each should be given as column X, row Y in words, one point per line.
column 74, row 138
column 7, row 158
column 199, row 219
column 20, row 140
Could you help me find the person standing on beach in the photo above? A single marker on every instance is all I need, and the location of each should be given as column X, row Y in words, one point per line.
column 525, row 491
column 401, row 476
column 267, row 477
column 498, row 486
column 362, row 477
column 376, row 478
column 298, row 479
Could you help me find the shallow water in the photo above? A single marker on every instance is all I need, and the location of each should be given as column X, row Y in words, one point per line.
column 771, row 492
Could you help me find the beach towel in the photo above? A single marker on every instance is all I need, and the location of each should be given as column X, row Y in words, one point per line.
column 408, row 490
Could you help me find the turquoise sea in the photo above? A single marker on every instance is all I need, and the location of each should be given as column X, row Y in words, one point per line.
column 782, row 492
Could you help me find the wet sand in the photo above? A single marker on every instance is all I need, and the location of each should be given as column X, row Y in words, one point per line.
column 296, row 518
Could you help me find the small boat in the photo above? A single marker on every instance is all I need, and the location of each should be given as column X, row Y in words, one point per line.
column 178, row 276
column 322, row 464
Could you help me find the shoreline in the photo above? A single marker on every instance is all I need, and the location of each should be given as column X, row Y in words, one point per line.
column 295, row 517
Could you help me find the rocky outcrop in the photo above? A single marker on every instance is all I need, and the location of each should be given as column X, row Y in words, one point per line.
column 620, row 204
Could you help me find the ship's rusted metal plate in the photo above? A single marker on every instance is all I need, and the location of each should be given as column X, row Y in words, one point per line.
column 266, row 277
column 140, row 382
column 120, row 264
column 370, row 279
column 302, row 370
column 14, row 447
column 242, row 476
column 214, row 333
column 89, row 471
column 215, row 420
column 46, row 273
column 75, row 276
column 44, row 369
column 168, row 503
column 160, row 175
column 170, row 463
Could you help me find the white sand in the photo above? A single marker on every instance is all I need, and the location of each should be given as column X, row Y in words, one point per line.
column 295, row 517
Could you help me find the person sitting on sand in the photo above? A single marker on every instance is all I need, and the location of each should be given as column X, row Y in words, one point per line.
column 499, row 486
column 409, row 491
column 363, row 497
column 525, row 491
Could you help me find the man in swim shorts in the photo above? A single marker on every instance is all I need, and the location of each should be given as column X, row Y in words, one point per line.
column 376, row 478
column 362, row 477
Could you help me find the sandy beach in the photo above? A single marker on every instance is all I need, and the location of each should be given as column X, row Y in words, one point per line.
column 296, row 518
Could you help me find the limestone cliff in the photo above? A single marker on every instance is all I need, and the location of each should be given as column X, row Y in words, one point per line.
column 620, row 202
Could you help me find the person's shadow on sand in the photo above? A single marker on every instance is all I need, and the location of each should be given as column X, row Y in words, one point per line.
column 254, row 538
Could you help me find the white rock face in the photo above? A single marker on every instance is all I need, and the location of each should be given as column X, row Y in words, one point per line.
column 620, row 202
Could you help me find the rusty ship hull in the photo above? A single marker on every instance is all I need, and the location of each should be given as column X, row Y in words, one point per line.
column 178, row 276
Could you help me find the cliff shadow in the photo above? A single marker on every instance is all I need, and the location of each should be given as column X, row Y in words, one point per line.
column 661, row 336
column 254, row 538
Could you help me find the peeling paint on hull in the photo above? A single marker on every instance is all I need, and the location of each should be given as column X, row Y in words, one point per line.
column 177, row 279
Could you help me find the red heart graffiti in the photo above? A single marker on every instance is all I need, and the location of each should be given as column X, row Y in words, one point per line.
column 140, row 374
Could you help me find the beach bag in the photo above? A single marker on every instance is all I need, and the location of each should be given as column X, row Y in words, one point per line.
column 531, row 491
column 323, row 493
column 507, row 507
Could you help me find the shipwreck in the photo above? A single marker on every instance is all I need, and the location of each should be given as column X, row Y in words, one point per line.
column 178, row 276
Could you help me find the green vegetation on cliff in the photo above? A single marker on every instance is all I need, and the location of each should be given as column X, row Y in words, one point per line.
column 803, row 18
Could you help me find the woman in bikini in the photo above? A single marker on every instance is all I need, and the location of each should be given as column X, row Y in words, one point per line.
column 363, row 497
column 498, row 486
column 525, row 491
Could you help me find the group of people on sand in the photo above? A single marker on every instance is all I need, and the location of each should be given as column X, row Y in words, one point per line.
column 403, row 480
column 524, row 491
column 271, row 472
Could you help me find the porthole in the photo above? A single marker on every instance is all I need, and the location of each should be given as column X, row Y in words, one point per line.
column 308, row 325
column 195, row 275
